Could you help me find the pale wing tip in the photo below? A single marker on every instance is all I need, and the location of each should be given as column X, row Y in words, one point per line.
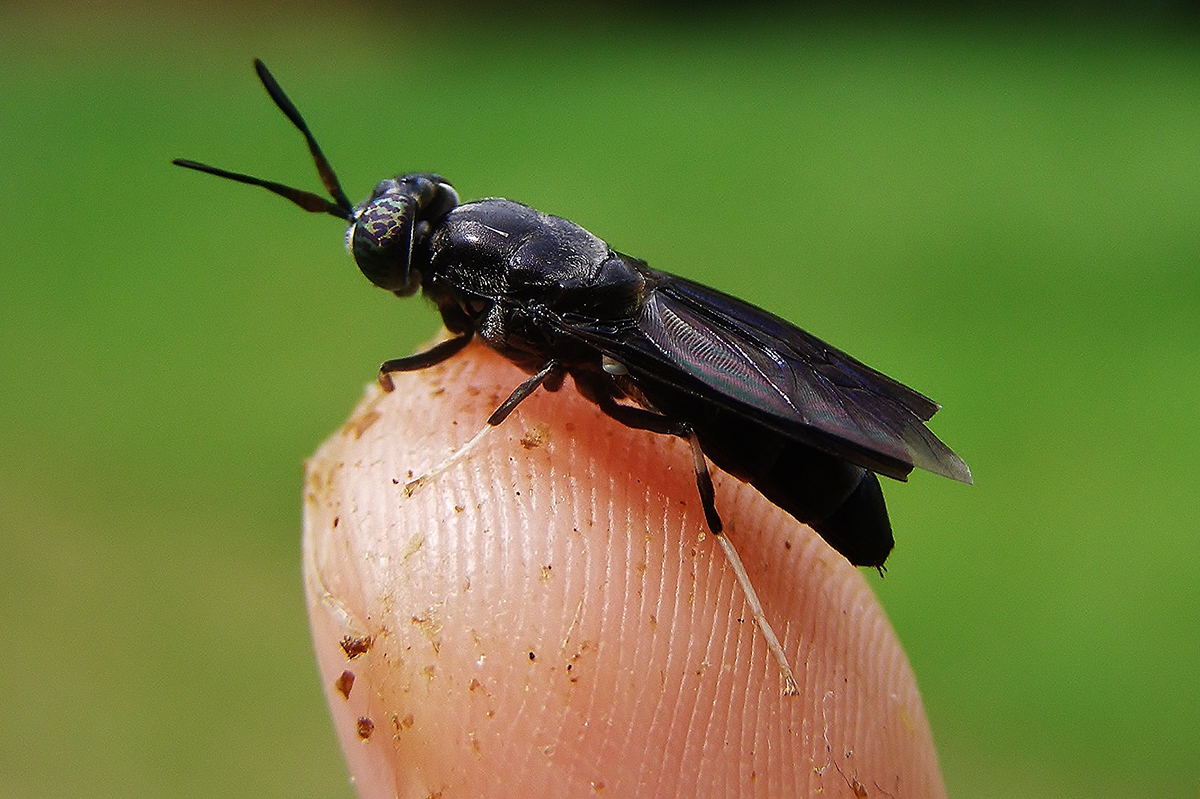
column 955, row 468
column 936, row 457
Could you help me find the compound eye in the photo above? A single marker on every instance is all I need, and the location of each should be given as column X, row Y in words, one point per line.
column 381, row 241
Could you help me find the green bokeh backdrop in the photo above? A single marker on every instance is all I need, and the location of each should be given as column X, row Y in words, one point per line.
column 1005, row 215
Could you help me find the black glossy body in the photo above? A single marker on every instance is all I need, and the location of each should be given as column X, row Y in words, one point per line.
column 804, row 423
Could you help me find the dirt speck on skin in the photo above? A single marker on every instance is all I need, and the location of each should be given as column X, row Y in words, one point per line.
column 364, row 727
column 536, row 437
column 430, row 626
column 361, row 424
column 344, row 684
column 356, row 645
column 413, row 545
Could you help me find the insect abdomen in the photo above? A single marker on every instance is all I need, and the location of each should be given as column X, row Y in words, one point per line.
column 839, row 500
column 855, row 523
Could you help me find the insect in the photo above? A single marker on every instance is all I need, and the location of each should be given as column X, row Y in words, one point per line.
column 805, row 424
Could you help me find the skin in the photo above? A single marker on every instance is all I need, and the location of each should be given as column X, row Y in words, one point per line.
column 550, row 618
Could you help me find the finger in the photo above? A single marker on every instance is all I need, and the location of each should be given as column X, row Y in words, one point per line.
column 549, row 618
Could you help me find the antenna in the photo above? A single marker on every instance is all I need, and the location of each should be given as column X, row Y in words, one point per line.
column 341, row 207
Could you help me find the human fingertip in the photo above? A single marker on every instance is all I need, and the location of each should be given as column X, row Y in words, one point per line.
column 548, row 617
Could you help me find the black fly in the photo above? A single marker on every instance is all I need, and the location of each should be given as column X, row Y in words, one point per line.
column 804, row 423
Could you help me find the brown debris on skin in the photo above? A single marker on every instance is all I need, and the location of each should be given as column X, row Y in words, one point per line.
column 344, row 684
column 355, row 645
column 365, row 727
column 430, row 627
column 536, row 437
column 360, row 424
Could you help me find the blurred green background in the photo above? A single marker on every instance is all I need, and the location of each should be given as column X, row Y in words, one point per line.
column 1002, row 212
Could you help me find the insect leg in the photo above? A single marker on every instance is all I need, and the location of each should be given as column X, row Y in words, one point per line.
column 548, row 371
column 790, row 688
column 642, row 419
column 422, row 360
